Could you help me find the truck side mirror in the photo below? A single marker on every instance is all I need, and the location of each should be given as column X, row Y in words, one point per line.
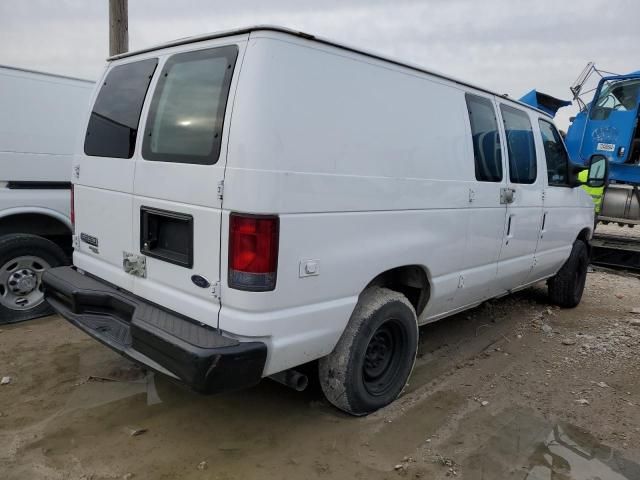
column 598, row 171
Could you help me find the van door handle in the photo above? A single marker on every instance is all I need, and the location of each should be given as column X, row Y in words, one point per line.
column 544, row 224
column 507, row 195
column 509, row 228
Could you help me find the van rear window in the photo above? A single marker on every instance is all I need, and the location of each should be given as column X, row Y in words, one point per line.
column 187, row 110
column 113, row 125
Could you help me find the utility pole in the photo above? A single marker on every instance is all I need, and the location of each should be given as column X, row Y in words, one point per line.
column 118, row 27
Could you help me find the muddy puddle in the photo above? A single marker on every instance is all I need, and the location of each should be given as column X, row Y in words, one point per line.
column 569, row 452
column 269, row 430
column 517, row 444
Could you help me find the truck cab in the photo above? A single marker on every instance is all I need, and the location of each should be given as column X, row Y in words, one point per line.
column 609, row 126
column 610, row 123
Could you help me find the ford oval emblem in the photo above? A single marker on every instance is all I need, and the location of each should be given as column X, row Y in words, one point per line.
column 200, row 281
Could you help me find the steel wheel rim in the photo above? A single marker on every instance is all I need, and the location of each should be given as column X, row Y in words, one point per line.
column 383, row 358
column 21, row 282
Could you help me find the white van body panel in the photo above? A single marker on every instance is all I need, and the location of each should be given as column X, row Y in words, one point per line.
column 39, row 121
column 40, row 118
column 334, row 180
column 364, row 191
column 369, row 166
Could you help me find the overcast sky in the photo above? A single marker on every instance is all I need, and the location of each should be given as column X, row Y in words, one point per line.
column 508, row 46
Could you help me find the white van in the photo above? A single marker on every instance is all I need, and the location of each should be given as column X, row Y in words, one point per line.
column 250, row 201
column 41, row 115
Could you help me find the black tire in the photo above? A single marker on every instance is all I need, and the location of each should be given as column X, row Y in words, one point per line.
column 567, row 286
column 370, row 365
column 14, row 246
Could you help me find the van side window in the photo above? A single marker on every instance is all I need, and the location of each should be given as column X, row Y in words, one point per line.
column 555, row 154
column 520, row 145
column 486, row 140
column 187, row 110
column 113, row 124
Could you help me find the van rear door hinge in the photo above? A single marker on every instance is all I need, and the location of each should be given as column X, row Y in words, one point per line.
column 220, row 189
column 215, row 290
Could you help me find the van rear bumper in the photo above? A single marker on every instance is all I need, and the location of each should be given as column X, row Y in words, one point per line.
column 164, row 341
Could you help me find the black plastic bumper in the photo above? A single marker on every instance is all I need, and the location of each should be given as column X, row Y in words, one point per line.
column 167, row 342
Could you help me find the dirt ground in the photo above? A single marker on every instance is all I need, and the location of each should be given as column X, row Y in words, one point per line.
column 614, row 229
column 514, row 389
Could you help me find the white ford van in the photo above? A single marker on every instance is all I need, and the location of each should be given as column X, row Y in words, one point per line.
column 41, row 115
column 250, row 201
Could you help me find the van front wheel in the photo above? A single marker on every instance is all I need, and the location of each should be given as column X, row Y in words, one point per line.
column 566, row 287
column 373, row 359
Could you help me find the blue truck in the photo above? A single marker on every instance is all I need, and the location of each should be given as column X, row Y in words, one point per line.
column 607, row 124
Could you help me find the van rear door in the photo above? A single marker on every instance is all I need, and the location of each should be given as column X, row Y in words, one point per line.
column 104, row 170
column 176, row 208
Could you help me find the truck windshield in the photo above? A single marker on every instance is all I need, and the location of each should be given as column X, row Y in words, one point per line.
column 616, row 95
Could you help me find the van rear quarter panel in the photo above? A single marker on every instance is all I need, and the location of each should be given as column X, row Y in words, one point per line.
column 369, row 167
column 40, row 120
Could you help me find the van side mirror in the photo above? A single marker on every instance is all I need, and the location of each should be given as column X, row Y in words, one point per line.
column 598, row 171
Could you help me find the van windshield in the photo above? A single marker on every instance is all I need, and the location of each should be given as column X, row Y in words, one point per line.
column 113, row 125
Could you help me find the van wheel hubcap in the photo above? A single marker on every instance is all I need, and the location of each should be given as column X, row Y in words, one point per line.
column 21, row 282
column 383, row 358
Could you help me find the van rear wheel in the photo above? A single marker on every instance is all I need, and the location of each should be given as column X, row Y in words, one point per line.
column 23, row 260
column 373, row 359
column 567, row 286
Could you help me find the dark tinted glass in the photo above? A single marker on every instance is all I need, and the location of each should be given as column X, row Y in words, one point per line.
column 114, row 120
column 486, row 140
column 555, row 154
column 187, row 110
column 520, row 145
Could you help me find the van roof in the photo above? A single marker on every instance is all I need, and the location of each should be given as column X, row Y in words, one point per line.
column 46, row 74
column 296, row 33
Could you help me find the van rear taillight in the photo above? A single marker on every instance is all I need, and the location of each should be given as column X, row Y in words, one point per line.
column 253, row 252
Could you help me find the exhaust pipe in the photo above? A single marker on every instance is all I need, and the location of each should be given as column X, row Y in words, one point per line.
column 292, row 379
